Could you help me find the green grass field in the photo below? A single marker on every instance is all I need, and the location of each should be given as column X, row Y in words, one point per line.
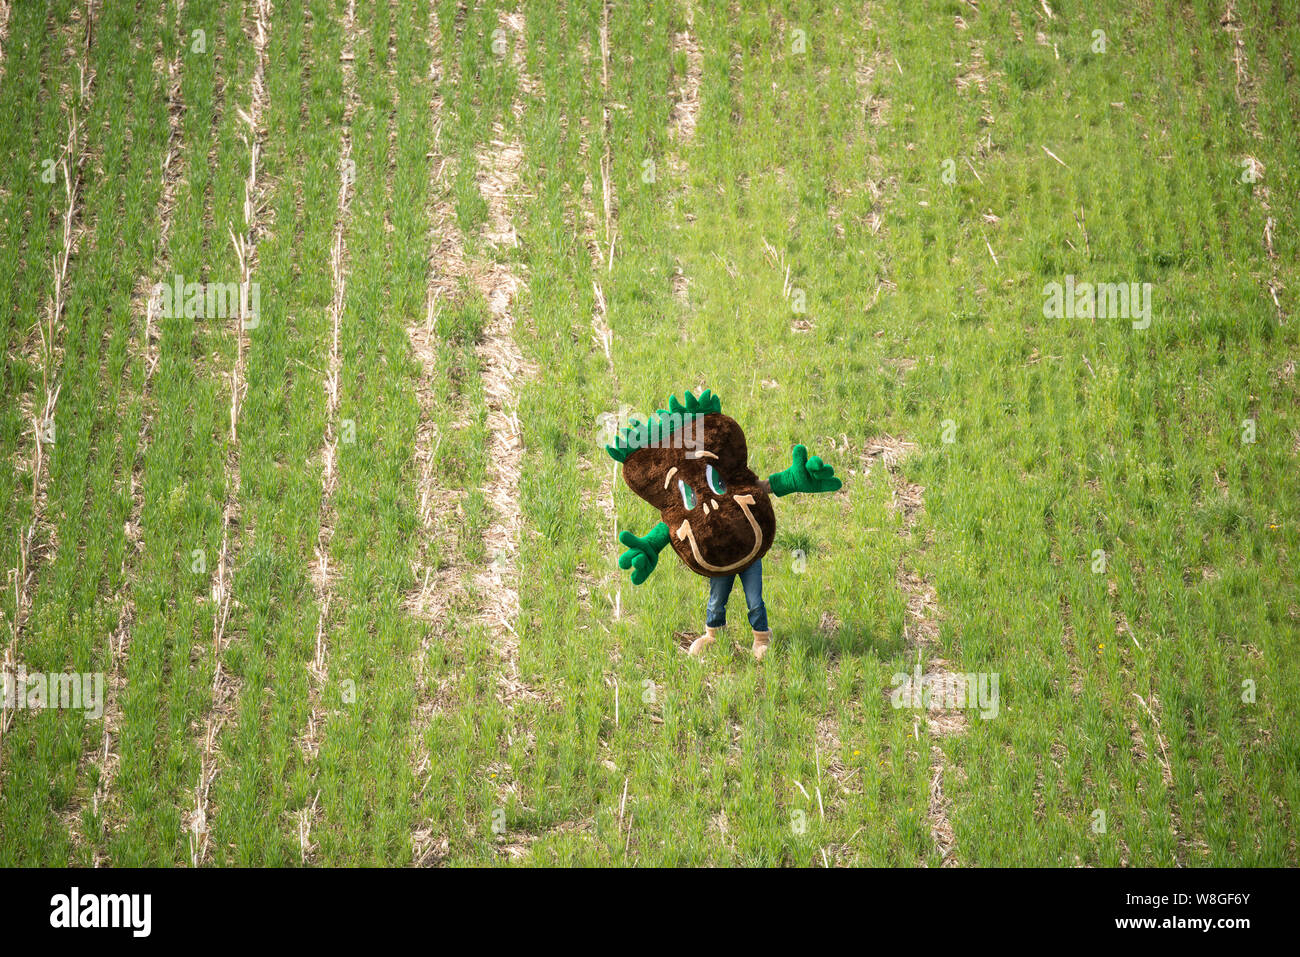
column 347, row 556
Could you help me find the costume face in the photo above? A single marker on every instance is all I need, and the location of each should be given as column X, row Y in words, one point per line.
column 720, row 521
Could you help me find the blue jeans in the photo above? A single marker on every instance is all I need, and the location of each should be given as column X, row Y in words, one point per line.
column 751, row 579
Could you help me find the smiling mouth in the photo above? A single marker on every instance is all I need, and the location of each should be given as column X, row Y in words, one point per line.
column 744, row 501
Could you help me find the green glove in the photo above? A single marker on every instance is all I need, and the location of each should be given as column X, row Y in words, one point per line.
column 642, row 553
column 804, row 475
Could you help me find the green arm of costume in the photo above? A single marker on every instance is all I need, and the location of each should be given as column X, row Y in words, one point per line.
column 642, row 553
column 804, row 475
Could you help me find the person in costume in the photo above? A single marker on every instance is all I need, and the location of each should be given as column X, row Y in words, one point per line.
column 691, row 463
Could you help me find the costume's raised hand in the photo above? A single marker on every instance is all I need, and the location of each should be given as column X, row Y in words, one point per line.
column 642, row 554
column 804, row 475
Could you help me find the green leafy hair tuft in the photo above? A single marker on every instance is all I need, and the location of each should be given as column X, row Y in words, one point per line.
column 659, row 426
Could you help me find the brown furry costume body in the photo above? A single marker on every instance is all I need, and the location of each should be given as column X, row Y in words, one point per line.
column 725, row 532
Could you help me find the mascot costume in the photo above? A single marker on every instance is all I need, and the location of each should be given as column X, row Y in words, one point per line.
column 691, row 463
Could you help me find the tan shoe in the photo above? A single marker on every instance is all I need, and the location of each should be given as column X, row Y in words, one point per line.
column 702, row 642
column 761, row 640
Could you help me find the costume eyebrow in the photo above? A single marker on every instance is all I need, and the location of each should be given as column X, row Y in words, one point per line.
column 700, row 454
column 669, row 477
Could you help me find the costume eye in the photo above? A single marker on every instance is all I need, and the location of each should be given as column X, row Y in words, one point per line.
column 688, row 494
column 716, row 485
